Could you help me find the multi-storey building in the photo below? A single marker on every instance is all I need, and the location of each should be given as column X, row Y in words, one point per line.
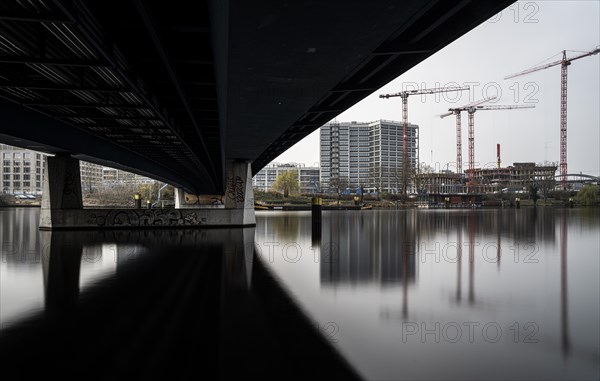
column 22, row 172
column 307, row 176
column 112, row 176
column 369, row 155
column 519, row 175
column 443, row 182
column 91, row 176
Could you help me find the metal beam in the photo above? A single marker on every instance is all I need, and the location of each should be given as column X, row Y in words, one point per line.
column 64, row 87
column 108, row 117
column 33, row 17
column 152, row 29
column 51, row 61
column 86, row 105
column 111, row 54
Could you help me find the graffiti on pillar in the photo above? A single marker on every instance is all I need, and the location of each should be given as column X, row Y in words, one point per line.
column 235, row 189
column 204, row 199
column 140, row 218
column 70, row 183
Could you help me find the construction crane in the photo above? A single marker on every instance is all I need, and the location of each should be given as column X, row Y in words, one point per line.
column 471, row 110
column 564, row 63
column 404, row 95
column 457, row 111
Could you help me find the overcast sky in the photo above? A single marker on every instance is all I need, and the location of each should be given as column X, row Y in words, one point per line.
column 524, row 35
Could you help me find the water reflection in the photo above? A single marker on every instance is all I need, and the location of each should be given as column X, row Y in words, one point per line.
column 381, row 272
column 352, row 257
column 155, row 304
column 564, row 307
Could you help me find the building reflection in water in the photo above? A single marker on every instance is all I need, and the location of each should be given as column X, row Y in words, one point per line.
column 358, row 250
column 379, row 250
column 376, row 273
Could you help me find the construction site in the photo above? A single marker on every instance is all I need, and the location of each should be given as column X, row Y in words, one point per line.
column 521, row 177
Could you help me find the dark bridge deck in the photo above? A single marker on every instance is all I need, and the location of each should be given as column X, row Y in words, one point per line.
column 175, row 89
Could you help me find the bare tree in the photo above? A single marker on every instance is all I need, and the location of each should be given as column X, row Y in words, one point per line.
column 376, row 177
column 338, row 184
column 395, row 179
column 545, row 185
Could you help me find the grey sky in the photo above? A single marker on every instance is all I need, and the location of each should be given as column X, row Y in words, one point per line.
column 522, row 36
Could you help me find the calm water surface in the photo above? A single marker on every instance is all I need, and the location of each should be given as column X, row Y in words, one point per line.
column 424, row 294
column 416, row 294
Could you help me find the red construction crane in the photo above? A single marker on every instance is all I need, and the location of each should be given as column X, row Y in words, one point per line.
column 457, row 111
column 404, row 95
column 564, row 63
column 471, row 110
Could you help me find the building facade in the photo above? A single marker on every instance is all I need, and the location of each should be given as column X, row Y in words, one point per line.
column 22, row 172
column 442, row 183
column 518, row 176
column 368, row 155
column 91, row 177
column 112, row 177
column 307, row 176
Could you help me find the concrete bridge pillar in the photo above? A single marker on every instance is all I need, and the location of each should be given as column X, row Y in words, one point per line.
column 238, row 191
column 61, row 188
column 179, row 198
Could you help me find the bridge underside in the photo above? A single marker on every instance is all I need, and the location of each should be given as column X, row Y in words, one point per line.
column 174, row 90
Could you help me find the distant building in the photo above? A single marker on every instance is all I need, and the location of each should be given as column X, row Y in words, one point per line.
column 307, row 176
column 112, row 176
column 445, row 182
column 21, row 170
column 370, row 155
column 91, row 176
column 517, row 176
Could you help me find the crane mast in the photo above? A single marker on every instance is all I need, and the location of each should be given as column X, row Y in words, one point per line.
column 457, row 111
column 564, row 63
column 471, row 112
column 563, row 120
column 404, row 96
column 471, row 109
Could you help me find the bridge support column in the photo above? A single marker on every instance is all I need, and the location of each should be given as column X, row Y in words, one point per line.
column 179, row 198
column 239, row 194
column 61, row 189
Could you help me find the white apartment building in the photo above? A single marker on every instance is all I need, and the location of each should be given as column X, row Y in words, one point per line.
column 22, row 172
column 307, row 176
column 366, row 154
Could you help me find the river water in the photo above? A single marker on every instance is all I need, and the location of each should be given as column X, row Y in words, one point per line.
column 401, row 294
